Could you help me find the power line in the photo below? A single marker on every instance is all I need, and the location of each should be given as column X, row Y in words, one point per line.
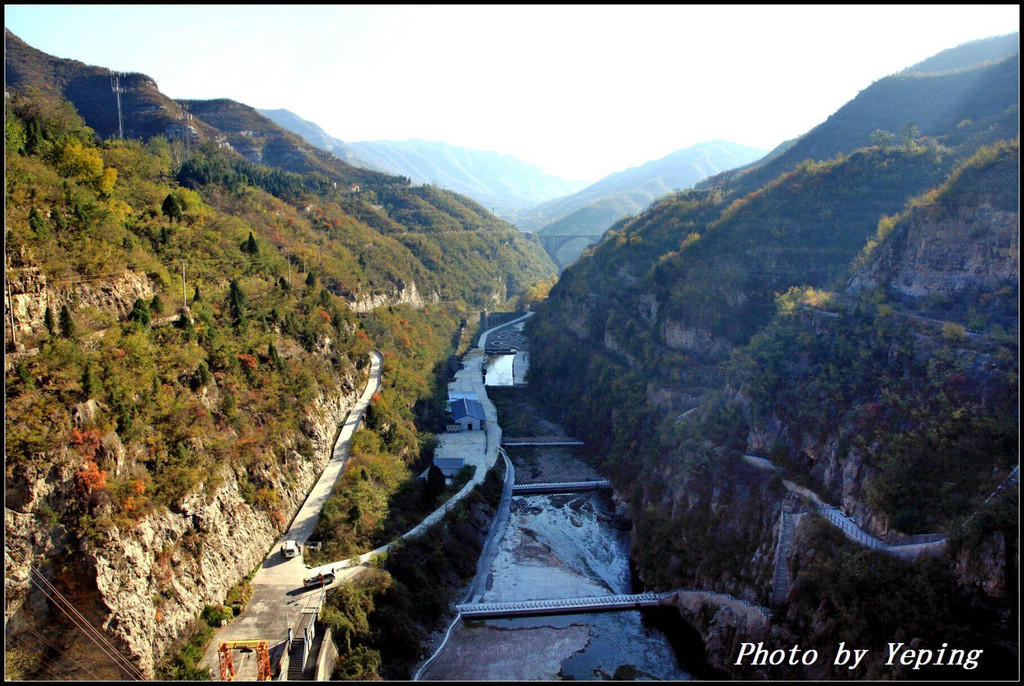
column 52, row 665
column 63, row 654
column 67, row 607
column 91, row 632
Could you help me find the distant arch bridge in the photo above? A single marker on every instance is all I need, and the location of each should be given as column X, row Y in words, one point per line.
column 554, row 242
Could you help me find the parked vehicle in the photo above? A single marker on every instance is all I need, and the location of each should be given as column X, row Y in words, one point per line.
column 291, row 548
column 321, row 579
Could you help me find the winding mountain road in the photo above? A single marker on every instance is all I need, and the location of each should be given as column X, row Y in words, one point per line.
column 280, row 604
column 279, row 598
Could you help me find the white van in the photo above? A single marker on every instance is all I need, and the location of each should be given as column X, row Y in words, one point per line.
column 291, row 548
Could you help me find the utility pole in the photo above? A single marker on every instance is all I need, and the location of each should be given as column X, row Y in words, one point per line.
column 184, row 303
column 115, row 85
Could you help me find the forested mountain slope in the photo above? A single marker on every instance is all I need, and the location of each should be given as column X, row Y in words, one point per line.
column 191, row 328
column 855, row 321
column 965, row 96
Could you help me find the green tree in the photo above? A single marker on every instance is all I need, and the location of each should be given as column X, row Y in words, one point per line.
column 90, row 382
column 48, row 320
column 249, row 246
column 236, row 305
column 34, row 139
column 172, row 207
column 310, row 280
column 435, row 482
column 38, row 226
column 910, row 136
column 82, row 215
column 14, row 132
column 156, row 306
column 272, row 354
column 203, row 374
column 67, row 324
column 140, row 313
column 886, row 140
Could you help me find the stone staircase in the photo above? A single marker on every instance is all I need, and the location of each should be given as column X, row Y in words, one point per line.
column 787, row 532
column 296, row 661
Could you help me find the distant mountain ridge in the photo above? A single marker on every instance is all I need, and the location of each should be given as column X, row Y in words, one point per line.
column 313, row 134
column 502, row 183
column 591, row 211
column 641, row 184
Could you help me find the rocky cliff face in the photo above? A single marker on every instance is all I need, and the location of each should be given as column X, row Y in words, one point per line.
column 402, row 293
column 938, row 251
column 145, row 585
column 31, row 294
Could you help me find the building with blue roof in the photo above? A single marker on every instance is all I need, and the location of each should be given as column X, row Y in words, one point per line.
column 468, row 414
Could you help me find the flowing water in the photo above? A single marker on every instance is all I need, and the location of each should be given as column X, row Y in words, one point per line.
column 559, row 546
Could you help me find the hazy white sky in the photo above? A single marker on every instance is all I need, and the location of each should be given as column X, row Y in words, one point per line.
column 581, row 91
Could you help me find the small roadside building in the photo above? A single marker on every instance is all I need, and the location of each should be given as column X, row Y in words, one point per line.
column 450, row 466
column 468, row 414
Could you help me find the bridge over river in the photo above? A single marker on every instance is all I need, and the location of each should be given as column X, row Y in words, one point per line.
column 561, row 487
column 560, row 605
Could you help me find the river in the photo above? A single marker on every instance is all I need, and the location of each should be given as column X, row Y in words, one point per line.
column 559, row 546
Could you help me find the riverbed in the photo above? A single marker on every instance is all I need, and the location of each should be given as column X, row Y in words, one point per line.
column 559, row 546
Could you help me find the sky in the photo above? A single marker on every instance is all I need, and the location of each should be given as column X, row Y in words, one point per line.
column 581, row 91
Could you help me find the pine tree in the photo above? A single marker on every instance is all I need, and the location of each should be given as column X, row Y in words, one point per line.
column 310, row 280
column 236, row 305
column 435, row 482
column 38, row 226
column 172, row 207
column 67, row 325
column 90, row 382
column 156, row 306
column 33, row 137
column 140, row 313
column 48, row 320
column 250, row 245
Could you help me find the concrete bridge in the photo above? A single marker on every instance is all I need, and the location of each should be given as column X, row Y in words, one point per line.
column 560, row 605
column 553, row 242
column 542, row 442
column 560, row 487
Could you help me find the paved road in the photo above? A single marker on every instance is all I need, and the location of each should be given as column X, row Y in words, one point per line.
column 494, row 535
column 278, row 597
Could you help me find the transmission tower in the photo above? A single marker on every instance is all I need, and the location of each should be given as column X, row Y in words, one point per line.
column 185, row 116
column 115, row 85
